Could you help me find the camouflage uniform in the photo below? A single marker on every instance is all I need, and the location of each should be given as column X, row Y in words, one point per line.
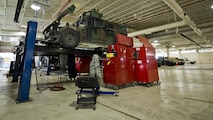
column 95, row 68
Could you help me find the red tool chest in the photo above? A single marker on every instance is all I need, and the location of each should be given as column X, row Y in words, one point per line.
column 120, row 70
column 146, row 69
column 82, row 64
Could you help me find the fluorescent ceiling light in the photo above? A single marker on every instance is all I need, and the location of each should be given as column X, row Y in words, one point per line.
column 24, row 26
column 35, row 6
column 173, row 46
column 155, row 41
column 212, row 6
column 21, row 33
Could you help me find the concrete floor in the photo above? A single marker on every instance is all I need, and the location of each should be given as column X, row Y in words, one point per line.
column 186, row 93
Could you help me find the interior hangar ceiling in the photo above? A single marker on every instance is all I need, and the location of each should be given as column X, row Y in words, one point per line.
column 180, row 23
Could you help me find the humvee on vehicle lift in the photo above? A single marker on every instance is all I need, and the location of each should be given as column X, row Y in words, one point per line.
column 90, row 30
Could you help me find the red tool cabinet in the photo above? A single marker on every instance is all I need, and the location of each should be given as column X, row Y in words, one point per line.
column 82, row 64
column 120, row 70
column 146, row 69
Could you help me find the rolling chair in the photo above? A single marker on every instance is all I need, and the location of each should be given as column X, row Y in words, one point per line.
column 89, row 83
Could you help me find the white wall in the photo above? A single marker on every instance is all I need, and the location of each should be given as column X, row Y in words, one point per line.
column 5, row 59
column 199, row 57
column 206, row 57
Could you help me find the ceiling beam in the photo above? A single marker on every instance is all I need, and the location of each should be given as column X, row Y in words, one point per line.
column 97, row 4
column 117, row 8
column 205, row 27
column 158, row 28
column 124, row 11
column 107, row 6
column 24, row 9
column 78, row 10
column 129, row 15
column 174, row 37
column 18, row 9
column 147, row 13
column 79, row 14
column 191, row 40
column 180, row 12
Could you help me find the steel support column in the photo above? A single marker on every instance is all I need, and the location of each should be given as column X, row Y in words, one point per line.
column 167, row 51
column 24, row 86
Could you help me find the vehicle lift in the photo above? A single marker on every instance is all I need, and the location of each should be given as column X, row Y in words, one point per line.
column 24, row 86
column 99, row 92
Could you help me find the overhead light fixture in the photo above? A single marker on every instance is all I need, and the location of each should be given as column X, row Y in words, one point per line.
column 173, row 46
column 23, row 26
column 155, row 41
column 35, row 6
column 212, row 6
column 21, row 33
